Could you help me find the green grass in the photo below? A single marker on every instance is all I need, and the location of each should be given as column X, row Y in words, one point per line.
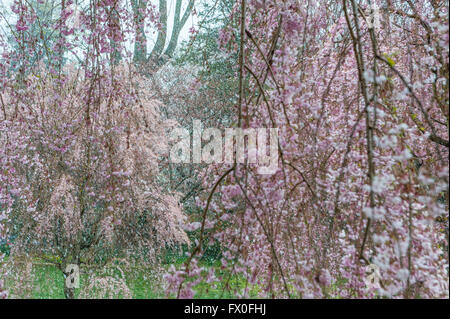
column 48, row 283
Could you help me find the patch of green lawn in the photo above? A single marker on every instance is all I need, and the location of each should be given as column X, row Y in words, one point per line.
column 48, row 283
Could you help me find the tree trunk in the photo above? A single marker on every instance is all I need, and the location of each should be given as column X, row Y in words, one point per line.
column 69, row 293
column 71, row 278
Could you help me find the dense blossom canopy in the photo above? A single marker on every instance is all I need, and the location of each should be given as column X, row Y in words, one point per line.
column 358, row 89
column 362, row 111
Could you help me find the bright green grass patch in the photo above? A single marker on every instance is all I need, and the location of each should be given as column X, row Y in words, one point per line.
column 47, row 282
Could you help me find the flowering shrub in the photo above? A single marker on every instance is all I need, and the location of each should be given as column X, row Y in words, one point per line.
column 80, row 148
